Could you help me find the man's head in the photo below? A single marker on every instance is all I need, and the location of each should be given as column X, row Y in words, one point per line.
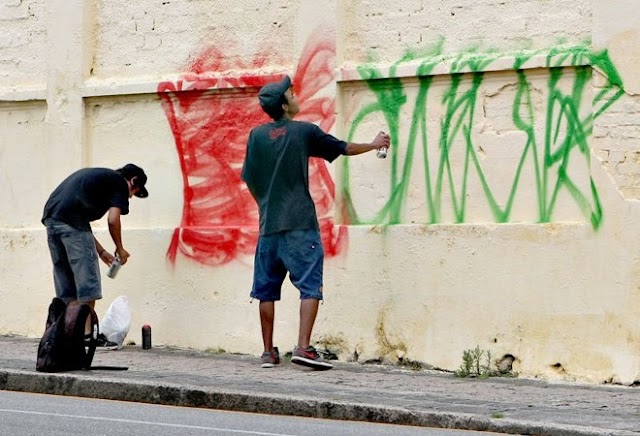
column 136, row 178
column 277, row 99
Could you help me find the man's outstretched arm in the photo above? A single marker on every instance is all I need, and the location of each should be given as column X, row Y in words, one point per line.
column 380, row 141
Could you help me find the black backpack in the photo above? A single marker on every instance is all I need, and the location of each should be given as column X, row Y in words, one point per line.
column 64, row 346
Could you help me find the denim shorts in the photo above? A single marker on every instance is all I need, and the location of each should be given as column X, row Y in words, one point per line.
column 298, row 252
column 76, row 271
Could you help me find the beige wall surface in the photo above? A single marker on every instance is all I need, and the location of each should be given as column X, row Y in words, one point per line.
column 504, row 218
column 23, row 43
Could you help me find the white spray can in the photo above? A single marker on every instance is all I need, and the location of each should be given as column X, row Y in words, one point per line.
column 114, row 268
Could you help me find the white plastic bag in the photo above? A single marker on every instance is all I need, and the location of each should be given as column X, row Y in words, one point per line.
column 117, row 321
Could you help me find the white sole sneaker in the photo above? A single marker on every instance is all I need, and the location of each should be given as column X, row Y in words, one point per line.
column 310, row 363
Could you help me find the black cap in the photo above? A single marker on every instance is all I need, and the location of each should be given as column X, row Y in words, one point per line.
column 129, row 171
column 270, row 95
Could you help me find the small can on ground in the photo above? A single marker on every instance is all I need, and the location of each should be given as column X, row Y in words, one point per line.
column 146, row 337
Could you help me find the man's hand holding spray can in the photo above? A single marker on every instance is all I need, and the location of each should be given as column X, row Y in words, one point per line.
column 114, row 268
column 385, row 140
column 120, row 258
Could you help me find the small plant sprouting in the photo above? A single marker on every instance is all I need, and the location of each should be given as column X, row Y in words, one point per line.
column 477, row 363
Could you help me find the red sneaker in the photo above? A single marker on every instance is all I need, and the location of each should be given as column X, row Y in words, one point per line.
column 270, row 359
column 309, row 357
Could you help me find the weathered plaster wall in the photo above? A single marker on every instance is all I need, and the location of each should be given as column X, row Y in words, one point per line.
column 505, row 216
column 615, row 136
column 375, row 31
column 23, row 40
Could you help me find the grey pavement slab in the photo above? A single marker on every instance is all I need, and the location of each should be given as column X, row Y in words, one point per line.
column 376, row 393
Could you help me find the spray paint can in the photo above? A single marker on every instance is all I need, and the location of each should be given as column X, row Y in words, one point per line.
column 146, row 337
column 382, row 153
column 114, row 268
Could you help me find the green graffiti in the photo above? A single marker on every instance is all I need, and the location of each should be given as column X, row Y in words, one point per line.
column 558, row 138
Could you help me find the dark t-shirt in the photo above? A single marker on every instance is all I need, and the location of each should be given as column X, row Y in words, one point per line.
column 86, row 196
column 276, row 170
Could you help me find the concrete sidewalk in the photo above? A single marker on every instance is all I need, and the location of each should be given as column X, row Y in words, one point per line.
column 349, row 391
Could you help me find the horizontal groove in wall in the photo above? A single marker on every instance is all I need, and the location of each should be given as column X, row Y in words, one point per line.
column 248, row 79
column 439, row 67
column 23, row 93
column 179, row 83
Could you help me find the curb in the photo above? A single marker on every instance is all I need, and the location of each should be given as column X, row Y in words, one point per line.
column 78, row 384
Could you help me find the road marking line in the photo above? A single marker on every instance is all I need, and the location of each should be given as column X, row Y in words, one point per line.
column 133, row 421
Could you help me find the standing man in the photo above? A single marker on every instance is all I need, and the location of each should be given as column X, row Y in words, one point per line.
column 276, row 172
column 85, row 196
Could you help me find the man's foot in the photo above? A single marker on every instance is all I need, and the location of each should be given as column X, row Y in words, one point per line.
column 102, row 343
column 309, row 357
column 269, row 359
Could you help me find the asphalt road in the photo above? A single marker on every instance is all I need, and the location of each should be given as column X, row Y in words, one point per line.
column 23, row 414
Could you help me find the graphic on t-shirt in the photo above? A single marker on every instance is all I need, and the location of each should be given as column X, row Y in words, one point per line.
column 277, row 132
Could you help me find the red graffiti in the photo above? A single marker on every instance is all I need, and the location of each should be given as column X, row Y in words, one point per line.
column 211, row 113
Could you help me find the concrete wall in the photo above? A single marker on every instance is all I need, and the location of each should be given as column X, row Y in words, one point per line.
column 505, row 216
